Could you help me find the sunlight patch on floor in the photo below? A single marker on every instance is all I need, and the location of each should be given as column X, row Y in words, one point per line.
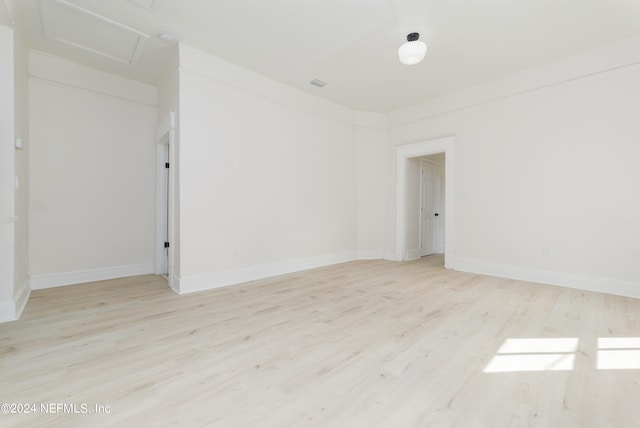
column 618, row 353
column 534, row 354
column 559, row 354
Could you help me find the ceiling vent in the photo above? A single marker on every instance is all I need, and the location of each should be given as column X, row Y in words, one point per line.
column 72, row 25
column 318, row 83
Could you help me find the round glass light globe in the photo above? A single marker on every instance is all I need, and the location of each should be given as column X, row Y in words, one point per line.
column 411, row 53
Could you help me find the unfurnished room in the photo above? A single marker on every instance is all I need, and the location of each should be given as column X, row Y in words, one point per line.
column 356, row 213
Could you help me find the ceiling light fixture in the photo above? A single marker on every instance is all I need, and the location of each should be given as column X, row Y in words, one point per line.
column 413, row 51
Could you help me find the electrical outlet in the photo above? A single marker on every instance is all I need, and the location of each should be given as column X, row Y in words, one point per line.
column 546, row 252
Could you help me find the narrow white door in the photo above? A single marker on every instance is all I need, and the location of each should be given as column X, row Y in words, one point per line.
column 429, row 207
column 162, row 231
column 165, row 254
column 164, row 198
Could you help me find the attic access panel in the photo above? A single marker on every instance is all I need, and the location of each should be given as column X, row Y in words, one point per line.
column 67, row 23
column 146, row 4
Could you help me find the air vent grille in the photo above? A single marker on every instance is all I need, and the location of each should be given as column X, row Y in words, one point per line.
column 319, row 83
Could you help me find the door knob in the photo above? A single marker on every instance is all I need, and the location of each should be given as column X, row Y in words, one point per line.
column 436, row 214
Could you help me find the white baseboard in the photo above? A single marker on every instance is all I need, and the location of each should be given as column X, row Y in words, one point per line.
column 7, row 311
column 212, row 280
column 369, row 254
column 391, row 255
column 39, row 282
column 11, row 311
column 413, row 254
column 174, row 284
column 563, row 279
column 21, row 300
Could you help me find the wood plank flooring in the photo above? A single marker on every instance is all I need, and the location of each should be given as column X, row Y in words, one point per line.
column 360, row 344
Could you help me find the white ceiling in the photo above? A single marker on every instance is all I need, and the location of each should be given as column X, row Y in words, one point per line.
column 350, row 44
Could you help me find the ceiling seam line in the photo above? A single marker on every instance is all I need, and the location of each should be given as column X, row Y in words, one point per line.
column 522, row 92
column 107, row 94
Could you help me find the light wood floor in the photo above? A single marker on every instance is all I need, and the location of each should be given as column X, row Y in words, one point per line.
column 360, row 344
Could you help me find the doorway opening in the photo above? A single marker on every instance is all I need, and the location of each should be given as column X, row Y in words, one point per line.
column 431, row 214
column 416, row 220
column 163, row 242
column 164, row 197
column 425, row 213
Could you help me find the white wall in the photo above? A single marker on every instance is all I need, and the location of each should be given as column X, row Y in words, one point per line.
column 14, row 278
column 92, row 170
column 5, row 16
column 442, row 167
column 7, row 176
column 267, row 176
column 21, row 251
column 169, row 101
column 371, row 142
column 546, row 175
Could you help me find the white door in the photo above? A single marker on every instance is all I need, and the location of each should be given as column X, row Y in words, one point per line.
column 164, row 196
column 162, row 231
column 429, row 206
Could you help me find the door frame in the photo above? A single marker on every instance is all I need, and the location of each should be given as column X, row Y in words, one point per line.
column 165, row 136
column 444, row 145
